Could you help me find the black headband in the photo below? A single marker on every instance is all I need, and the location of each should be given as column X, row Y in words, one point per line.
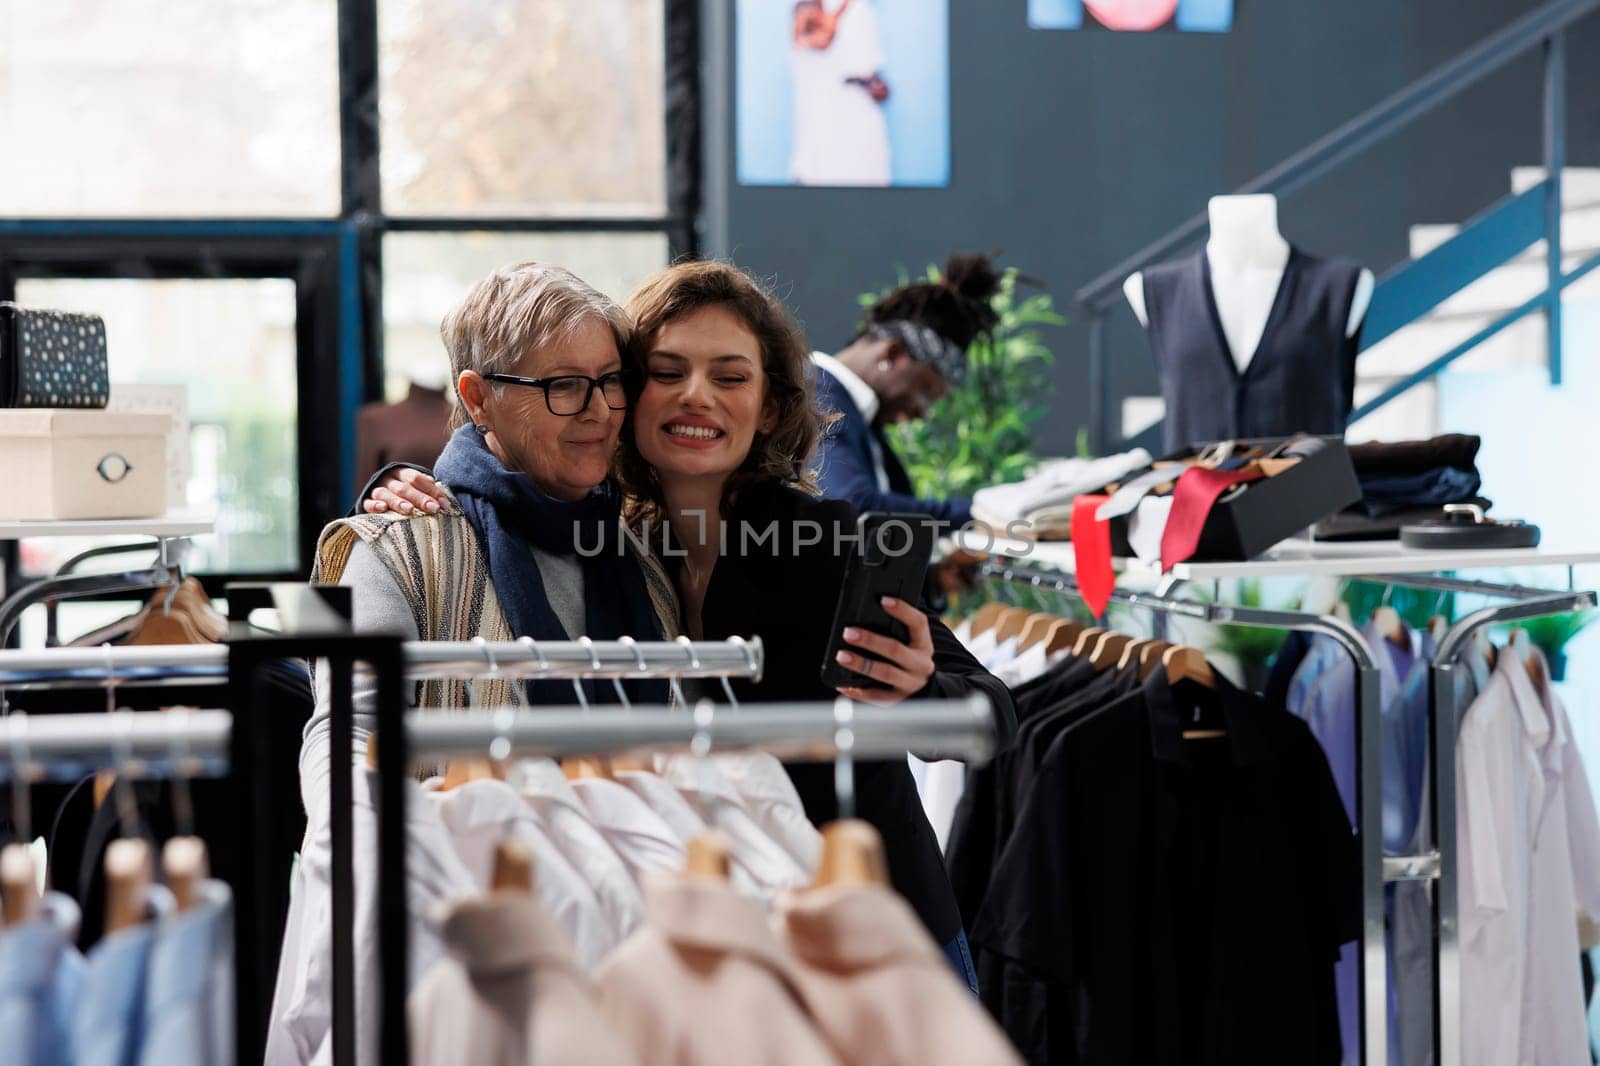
column 925, row 346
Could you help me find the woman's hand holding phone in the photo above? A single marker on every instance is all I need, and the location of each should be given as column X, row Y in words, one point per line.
column 909, row 664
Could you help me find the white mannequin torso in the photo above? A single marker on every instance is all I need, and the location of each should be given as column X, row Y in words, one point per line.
column 1247, row 256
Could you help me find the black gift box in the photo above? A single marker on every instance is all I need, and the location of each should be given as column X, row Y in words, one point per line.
column 1248, row 520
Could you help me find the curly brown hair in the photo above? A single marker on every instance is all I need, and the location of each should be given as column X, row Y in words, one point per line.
column 784, row 454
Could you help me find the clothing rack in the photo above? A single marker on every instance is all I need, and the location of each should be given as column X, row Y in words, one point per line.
column 1439, row 864
column 839, row 730
column 162, row 744
column 423, row 660
column 151, row 745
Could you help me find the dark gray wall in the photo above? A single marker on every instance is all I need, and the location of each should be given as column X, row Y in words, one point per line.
column 1074, row 149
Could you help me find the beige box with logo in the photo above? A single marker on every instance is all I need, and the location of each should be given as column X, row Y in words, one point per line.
column 58, row 464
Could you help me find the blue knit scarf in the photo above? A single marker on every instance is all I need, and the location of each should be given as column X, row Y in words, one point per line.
column 511, row 514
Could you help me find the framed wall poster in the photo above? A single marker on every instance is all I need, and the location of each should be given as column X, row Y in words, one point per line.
column 842, row 92
column 1136, row 16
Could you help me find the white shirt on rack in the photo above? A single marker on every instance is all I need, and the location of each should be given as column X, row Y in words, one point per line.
column 765, row 789
column 1529, row 851
column 701, row 782
column 638, row 834
column 480, row 814
column 545, row 788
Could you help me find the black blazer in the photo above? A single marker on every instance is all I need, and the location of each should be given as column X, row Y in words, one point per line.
column 786, row 597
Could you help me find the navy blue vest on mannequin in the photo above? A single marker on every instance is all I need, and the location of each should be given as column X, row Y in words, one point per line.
column 1301, row 378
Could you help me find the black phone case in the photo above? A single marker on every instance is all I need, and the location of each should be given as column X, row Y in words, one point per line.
column 890, row 559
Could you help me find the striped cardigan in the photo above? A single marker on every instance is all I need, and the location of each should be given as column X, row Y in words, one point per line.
column 439, row 563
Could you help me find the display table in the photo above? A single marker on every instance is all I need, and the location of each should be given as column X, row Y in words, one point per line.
column 173, row 524
column 1291, row 558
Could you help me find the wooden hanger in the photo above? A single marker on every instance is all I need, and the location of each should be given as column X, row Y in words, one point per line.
column 1087, row 638
column 1035, row 631
column 1011, row 623
column 160, row 627
column 458, row 772
column 852, row 854
column 1388, row 622
column 1061, row 636
column 1183, row 663
column 184, row 864
column 1108, row 650
column 127, row 881
column 577, row 767
column 19, row 885
column 1133, row 652
column 513, row 867
column 1150, row 657
column 181, row 615
column 1521, row 645
column 985, row 617
column 709, row 855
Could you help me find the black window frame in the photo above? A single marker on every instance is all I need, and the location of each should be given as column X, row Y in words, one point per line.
column 336, row 262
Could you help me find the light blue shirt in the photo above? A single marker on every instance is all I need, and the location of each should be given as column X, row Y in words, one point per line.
column 108, row 1028
column 41, row 974
column 187, row 1019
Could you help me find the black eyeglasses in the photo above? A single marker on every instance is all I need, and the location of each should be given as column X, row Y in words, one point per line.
column 569, row 394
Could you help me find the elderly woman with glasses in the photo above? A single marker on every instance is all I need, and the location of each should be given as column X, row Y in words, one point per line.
column 536, row 354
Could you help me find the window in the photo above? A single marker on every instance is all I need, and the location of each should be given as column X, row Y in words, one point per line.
column 274, row 202
column 501, row 107
column 174, row 108
column 230, row 345
column 426, row 274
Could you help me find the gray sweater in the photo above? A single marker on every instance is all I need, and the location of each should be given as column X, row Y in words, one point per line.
column 380, row 607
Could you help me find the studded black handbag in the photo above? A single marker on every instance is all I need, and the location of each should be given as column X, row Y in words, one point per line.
column 52, row 358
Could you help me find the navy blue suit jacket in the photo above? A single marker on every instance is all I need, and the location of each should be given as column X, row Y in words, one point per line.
column 846, row 470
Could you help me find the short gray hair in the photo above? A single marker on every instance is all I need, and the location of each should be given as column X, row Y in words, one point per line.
column 521, row 307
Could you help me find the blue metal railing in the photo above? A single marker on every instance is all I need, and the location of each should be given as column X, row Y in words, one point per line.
column 1413, row 289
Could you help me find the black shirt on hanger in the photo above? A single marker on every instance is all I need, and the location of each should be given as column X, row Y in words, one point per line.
column 1173, row 902
column 994, row 793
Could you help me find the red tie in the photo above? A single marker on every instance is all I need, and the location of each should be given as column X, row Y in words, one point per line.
column 1091, row 553
column 1192, row 499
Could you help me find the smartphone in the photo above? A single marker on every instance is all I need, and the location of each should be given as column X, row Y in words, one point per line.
column 890, row 559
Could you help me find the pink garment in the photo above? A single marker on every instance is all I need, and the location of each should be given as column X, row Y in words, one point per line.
column 1132, row 14
column 508, row 993
column 705, row 981
column 881, row 990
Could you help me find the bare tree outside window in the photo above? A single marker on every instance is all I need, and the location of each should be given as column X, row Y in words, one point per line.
column 522, row 107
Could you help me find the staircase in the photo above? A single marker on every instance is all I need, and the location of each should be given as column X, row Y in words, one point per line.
column 1418, row 412
column 1466, row 299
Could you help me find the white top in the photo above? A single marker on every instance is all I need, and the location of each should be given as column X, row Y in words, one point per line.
column 768, row 794
column 840, row 134
column 480, row 814
column 640, row 835
column 1530, row 855
column 545, row 788
column 172, row 524
column 1291, row 557
column 701, row 782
